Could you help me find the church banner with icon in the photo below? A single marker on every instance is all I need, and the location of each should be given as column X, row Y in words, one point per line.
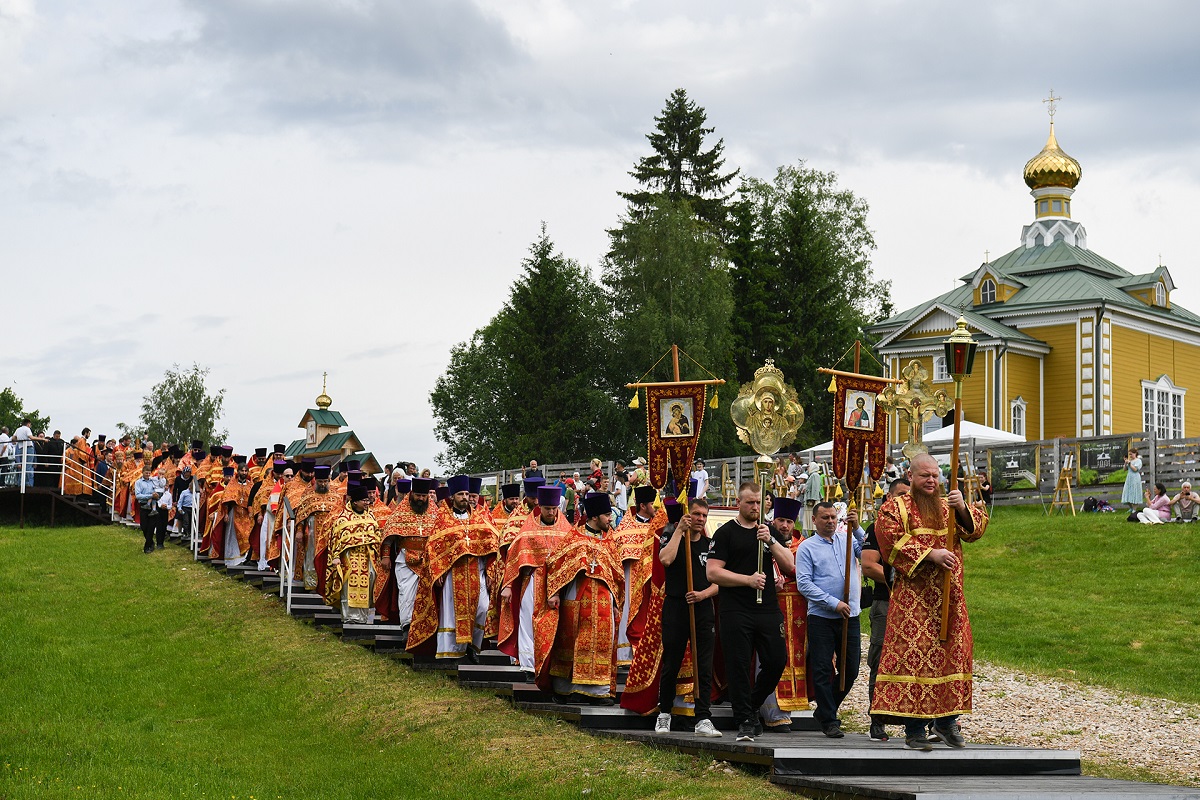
column 859, row 428
column 674, row 414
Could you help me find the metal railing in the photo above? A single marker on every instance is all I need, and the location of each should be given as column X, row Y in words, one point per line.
column 28, row 469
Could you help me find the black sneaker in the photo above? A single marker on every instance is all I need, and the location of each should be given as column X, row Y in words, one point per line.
column 950, row 735
column 833, row 730
column 878, row 731
column 745, row 732
column 758, row 727
column 917, row 744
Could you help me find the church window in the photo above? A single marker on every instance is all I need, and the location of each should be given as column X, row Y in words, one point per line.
column 940, row 373
column 1043, row 206
column 1018, row 416
column 1163, row 408
column 1056, row 205
column 987, row 292
column 1160, row 294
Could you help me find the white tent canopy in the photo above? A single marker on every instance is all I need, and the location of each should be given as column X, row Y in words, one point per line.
column 982, row 434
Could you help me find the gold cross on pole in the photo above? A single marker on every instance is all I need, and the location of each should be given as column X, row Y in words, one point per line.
column 1051, row 104
column 914, row 401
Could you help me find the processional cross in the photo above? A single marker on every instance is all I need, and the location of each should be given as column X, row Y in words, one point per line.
column 914, row 402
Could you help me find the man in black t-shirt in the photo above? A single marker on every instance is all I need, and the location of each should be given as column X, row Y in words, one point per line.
column 881, row 575
column 749, row 628
column 676, row 627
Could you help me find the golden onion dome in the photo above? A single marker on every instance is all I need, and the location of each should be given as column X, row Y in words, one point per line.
column 1052, row 167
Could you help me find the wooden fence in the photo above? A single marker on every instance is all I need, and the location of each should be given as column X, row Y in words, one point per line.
column 1169, row 461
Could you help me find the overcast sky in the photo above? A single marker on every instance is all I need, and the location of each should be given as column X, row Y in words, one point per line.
column 187, row 181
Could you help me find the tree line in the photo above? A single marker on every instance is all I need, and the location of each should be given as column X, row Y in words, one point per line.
column 734, row 269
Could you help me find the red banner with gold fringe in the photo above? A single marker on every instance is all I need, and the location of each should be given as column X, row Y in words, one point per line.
column 859, row 429
column 674, row 413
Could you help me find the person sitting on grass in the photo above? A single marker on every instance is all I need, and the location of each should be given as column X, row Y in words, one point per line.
column 1159, row 508
column 1186, row 501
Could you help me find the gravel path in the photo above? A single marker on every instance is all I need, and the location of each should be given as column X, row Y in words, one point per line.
column 1107, row 726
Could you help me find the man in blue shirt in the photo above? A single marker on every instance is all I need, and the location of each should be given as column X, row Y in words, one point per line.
column 821, row 578
column 148, row 490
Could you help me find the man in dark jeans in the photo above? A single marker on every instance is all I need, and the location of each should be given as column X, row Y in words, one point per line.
column 881, row 576
column 147, row 490
column 749, row 627
column 676, row 628
column 820, row 577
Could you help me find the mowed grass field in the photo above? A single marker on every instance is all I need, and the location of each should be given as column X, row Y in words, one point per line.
column 1091, row 598
column 123, row 675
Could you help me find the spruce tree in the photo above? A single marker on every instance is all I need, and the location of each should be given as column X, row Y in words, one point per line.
column 681, row 169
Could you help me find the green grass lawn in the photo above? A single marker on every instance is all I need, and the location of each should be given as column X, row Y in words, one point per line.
column 1091, row 597
column 123, row 675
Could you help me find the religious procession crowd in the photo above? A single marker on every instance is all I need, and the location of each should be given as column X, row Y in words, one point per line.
column 753, row 613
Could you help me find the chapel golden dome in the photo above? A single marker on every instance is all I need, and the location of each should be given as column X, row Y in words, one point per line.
column 1052, row 167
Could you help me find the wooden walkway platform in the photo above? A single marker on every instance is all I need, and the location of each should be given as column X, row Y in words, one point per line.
column 803, row 760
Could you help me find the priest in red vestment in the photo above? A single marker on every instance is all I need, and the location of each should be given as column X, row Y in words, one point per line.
column 920, row 677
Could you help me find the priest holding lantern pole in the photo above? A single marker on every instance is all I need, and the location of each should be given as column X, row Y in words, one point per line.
column 925, row 668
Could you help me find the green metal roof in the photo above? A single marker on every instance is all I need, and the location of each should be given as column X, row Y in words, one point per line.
column 334, row 441
column 294, row 449
column 324, row 417
column 1053, row 275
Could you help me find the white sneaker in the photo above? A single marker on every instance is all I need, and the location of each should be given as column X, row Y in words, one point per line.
column 663, row 724
column 705, row 728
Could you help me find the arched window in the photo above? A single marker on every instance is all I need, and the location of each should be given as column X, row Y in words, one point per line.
column 987, row 292
column 1160, row 294
column 1018, row 416
column 1163, row 407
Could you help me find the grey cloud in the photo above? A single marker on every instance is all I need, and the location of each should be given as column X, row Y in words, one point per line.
column 71, row 187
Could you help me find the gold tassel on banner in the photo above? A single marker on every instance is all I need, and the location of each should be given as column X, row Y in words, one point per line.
column 837, row 494
column 833, row 385
column 713, row 403
column 634, row 402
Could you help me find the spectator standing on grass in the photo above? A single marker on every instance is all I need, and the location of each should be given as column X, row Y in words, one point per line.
column 1131, row 493
column 700, row 476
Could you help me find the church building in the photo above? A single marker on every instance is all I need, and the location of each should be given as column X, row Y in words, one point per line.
column 1070, row 344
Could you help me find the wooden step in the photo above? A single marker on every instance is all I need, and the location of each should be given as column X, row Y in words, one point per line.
column 974, row 787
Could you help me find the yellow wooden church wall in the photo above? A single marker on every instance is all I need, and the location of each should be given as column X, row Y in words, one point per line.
column 1061, row 377
column 1022, row 380
column 1140, row 356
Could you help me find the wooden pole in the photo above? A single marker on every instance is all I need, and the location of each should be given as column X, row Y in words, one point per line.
column 687, row 546
column 675, row 360
column 849, row 548
column 952, row 529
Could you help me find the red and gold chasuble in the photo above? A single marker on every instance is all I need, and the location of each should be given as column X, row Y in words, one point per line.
column 293, row 492
column 512, row 525
column 578, row 642
column 354, row 538
column 411, row 532
column 530, row 549
column 214, row 522
column 792, row 691
column 452, row 552
column 635, row 543
column 920, row 676
column 323, row 510
column 645, row 673
column 238, row 495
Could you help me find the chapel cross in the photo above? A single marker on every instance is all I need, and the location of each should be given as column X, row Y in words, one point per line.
column 1051, row 106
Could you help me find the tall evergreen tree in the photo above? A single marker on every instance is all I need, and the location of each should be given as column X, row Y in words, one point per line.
column 668, row 279
column 533, row 382
column 802, row 282
column 681, row 169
